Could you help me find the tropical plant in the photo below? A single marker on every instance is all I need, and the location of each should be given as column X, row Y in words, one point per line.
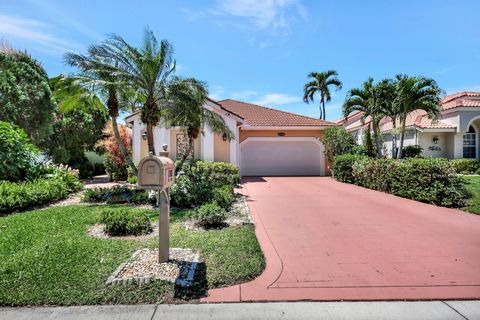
column 147, row 69
column 78, row 123
column 184, row 108
column 367, row 101
column 415, row 93
column 95, row 72
column 321, row 83
column 17, row 153
column 25, row 97
column 115, row 161
column 337, row 141
column 387, row 95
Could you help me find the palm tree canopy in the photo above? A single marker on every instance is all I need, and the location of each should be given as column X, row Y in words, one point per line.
column 363, row 99
column 185, row 108
column 321, row 83
column 417, row 93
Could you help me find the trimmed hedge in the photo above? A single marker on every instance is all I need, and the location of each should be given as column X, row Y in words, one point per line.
column 125, row 222
column 38, row 192
column 430, row 180
column 466, row 166
column 198, row 181
column 119, row 194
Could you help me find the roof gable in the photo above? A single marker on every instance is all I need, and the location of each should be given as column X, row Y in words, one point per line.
column 259, row 116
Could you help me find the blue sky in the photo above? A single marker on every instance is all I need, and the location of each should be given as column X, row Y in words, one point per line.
column 262, row 50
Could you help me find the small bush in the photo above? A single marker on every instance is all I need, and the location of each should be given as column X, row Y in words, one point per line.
column 210, row 215
column 337, row 141
column 117, row 171
column 125, row 222
column 50, row 187
column 16, row 152
column 413, row 151
column 359, row 150
column 198, row 179
column 119, row 194
column 224, row 196
column 466, row 166
column 343, row 167
column 430, row 180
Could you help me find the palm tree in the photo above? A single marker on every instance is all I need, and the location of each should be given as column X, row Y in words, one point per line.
column 321, row 83
column 387, row 94
column 415, row 93
column 366, row 100
column 184, row 108
column 94, row 74
column 147, row 69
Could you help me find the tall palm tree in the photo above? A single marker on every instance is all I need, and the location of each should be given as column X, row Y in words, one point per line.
column 184, row 108
column 366, row 100
column 321, row 83
column 415, row 93
column 147, row 69
column 387, row 95
column 95, row 74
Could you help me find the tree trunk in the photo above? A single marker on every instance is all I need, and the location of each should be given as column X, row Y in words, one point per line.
column 121, row 146
column 376, row 136
column 185, row 155
column 323, row 108
column 151, row 145
column 368, row 141
column 394, row 138
column 402, row 137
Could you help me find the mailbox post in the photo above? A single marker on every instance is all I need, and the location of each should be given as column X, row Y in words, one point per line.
column 158, row 173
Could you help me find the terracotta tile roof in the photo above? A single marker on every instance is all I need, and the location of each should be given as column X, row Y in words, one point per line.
column 460, row 95
column 259, row 116
column 460, row 103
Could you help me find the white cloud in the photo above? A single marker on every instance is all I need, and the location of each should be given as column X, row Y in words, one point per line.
column 276, row 99
column 244, row 94
column 274, row 15
column 36, row 31
column 216, row 92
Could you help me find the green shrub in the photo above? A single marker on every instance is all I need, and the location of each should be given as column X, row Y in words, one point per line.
column 337, row 141
column 466, row 166
column 224, row 196
column 210, row 215
column 343, row 167
column 359, row 150
column 413, row 151
column 125, row 222
column 119, row 194
column 16, row 152
column 197, row 180
column 38, row 192
column 430, row 180
column 116, row 171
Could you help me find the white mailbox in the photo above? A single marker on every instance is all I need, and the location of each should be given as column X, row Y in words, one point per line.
column 156, row 172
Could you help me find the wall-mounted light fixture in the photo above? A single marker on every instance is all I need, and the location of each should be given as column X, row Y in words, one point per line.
column 224, row 137
column 435, row 139
column 144, row 135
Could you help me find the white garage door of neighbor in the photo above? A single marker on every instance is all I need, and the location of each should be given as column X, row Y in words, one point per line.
column 302, row 156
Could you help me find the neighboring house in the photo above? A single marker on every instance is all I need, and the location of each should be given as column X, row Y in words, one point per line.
column 267, row 141
column 455, row 134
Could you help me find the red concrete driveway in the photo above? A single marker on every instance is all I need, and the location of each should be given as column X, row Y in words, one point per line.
column 326, row 240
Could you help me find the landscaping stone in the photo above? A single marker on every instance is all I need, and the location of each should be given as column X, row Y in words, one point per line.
column 143, row 267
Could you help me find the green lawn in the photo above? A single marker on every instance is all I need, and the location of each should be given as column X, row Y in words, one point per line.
column 46, row 258
column 473, row 185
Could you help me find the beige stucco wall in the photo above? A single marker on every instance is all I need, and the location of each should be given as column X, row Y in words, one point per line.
column 425, row 140
column 221, row 149
column 173, row 144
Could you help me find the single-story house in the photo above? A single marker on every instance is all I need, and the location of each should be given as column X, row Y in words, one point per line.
column 455, row 134
column 268, row 142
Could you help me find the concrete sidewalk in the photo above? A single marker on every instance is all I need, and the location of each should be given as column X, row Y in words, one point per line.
column 424, row 310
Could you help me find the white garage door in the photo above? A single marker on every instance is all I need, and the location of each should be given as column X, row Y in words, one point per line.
column 302, row 156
